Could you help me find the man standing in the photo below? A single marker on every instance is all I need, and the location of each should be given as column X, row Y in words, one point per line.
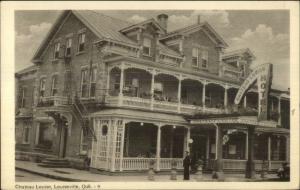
column 186, row 166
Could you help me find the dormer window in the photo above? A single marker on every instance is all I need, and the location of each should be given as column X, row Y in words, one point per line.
column 68, row 47
column 147, row 46
column 204, row 58
column 42, row 87
column 195, row 57
column 81, row 42
column 56, row 50
column 54, row 85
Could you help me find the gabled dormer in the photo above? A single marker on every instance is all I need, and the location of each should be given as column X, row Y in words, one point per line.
column 236, row 64
column 200, row 44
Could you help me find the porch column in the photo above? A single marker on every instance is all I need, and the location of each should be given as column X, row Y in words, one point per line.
column 245, row 101
column 121, row 85
column 250, row 171
column 122, row 145
column 171, row 142
column 152, row 89
column 108, row 82
column 287, row 156
column 279, row 111
column 207, row 145
column 247, row 146
column 158, row 144
column 203, row 94
column 113, row 141
column 218, row 166
column 37, row 133
column 269, row 152
column 225, row 96
column 179, row 94
column 188, row 136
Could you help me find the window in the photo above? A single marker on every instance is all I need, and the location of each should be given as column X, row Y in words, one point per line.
column 42, row 87
column 22, row 97
column 204, row 58
column 195, row 57
column 26, row 131
column 68, row 47
column 243, row 70
column 84, row 83
column 104, row 130
column 56, row 50
column 54, row 86
column 146, row 46
column 81, row 42
column 93, row 82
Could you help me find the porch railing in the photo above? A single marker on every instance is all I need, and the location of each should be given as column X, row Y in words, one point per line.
column 230, row 164
column 166, row 163
column 53, row 101
column 136, row 163
column 143, row 103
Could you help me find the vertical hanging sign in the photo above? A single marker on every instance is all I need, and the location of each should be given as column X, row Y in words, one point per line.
column 263, row 75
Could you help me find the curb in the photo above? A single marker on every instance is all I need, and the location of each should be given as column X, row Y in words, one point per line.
column 50, row 175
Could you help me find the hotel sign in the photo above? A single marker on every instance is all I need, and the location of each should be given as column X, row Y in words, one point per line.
column 263, row 75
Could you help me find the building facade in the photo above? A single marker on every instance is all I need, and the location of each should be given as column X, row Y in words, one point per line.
column 123, row 94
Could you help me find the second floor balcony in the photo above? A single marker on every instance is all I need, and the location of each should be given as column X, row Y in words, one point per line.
column 53, row 101
column 156, row 90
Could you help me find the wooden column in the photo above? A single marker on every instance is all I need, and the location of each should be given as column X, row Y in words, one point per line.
column 218, row 166
column 203, row 95
column 247, row 145
column 152, row 89
column 250, row 171
column 207, row 145
column 179, row 95
column 225, row 97
column 121, row 85
column 279, row 110
column 188, row 136
column 113, row 141
column 171, row 142
column 158, row 145
column 269, row 152
column 37, row 133
column 108, row 82
column 122, row 146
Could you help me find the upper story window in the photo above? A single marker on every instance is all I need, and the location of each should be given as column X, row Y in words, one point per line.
column 42, row 87
column 81, row 42
column 93, row 82
column 204, row 58
column 68, row 47
column 84, row 83
column 195, row 58
column 56, row 50
column 22, row 97
column 54, row 85
column 26, row 134
column 199, row 58
column 147, row 46
column 243, row 70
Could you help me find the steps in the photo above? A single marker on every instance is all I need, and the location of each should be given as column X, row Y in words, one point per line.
column 55, row 163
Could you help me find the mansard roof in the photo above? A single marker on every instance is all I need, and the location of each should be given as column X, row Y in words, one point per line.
column 196, row 27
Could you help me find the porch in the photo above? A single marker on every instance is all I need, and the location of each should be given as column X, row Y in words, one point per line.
column 130, row 145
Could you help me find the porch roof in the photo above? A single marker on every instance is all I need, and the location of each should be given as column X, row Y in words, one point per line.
column 242, row 120
column 143, row 116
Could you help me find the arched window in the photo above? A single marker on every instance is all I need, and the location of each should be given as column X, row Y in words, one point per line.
column 54, row 83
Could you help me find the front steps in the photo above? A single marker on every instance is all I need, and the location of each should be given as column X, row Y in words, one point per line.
column 55, row 163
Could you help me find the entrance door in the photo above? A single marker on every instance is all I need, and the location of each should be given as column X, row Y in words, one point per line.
column 63, row 142
column 198, row 148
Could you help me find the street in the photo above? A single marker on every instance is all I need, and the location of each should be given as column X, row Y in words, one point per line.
column 22, row 176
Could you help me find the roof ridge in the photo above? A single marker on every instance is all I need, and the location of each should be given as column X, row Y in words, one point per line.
column 127, row 22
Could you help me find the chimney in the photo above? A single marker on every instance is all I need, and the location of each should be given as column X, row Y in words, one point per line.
column 163, row 20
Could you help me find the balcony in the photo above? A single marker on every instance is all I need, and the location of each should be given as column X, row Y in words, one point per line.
column 159, row 105
column 53, row 101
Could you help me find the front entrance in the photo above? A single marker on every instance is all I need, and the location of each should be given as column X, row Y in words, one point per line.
column 198, row 148
column 63, row 141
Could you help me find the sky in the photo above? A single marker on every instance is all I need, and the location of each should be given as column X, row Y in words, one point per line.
column 265, row 33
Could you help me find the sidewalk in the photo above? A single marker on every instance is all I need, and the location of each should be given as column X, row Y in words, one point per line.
column 69, row 174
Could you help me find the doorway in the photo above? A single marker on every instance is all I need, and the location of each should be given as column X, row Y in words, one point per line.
column 63, row 139
column 198, row 148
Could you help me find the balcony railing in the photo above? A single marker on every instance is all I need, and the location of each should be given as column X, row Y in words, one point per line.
column 158, row 105
column 53, row 101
